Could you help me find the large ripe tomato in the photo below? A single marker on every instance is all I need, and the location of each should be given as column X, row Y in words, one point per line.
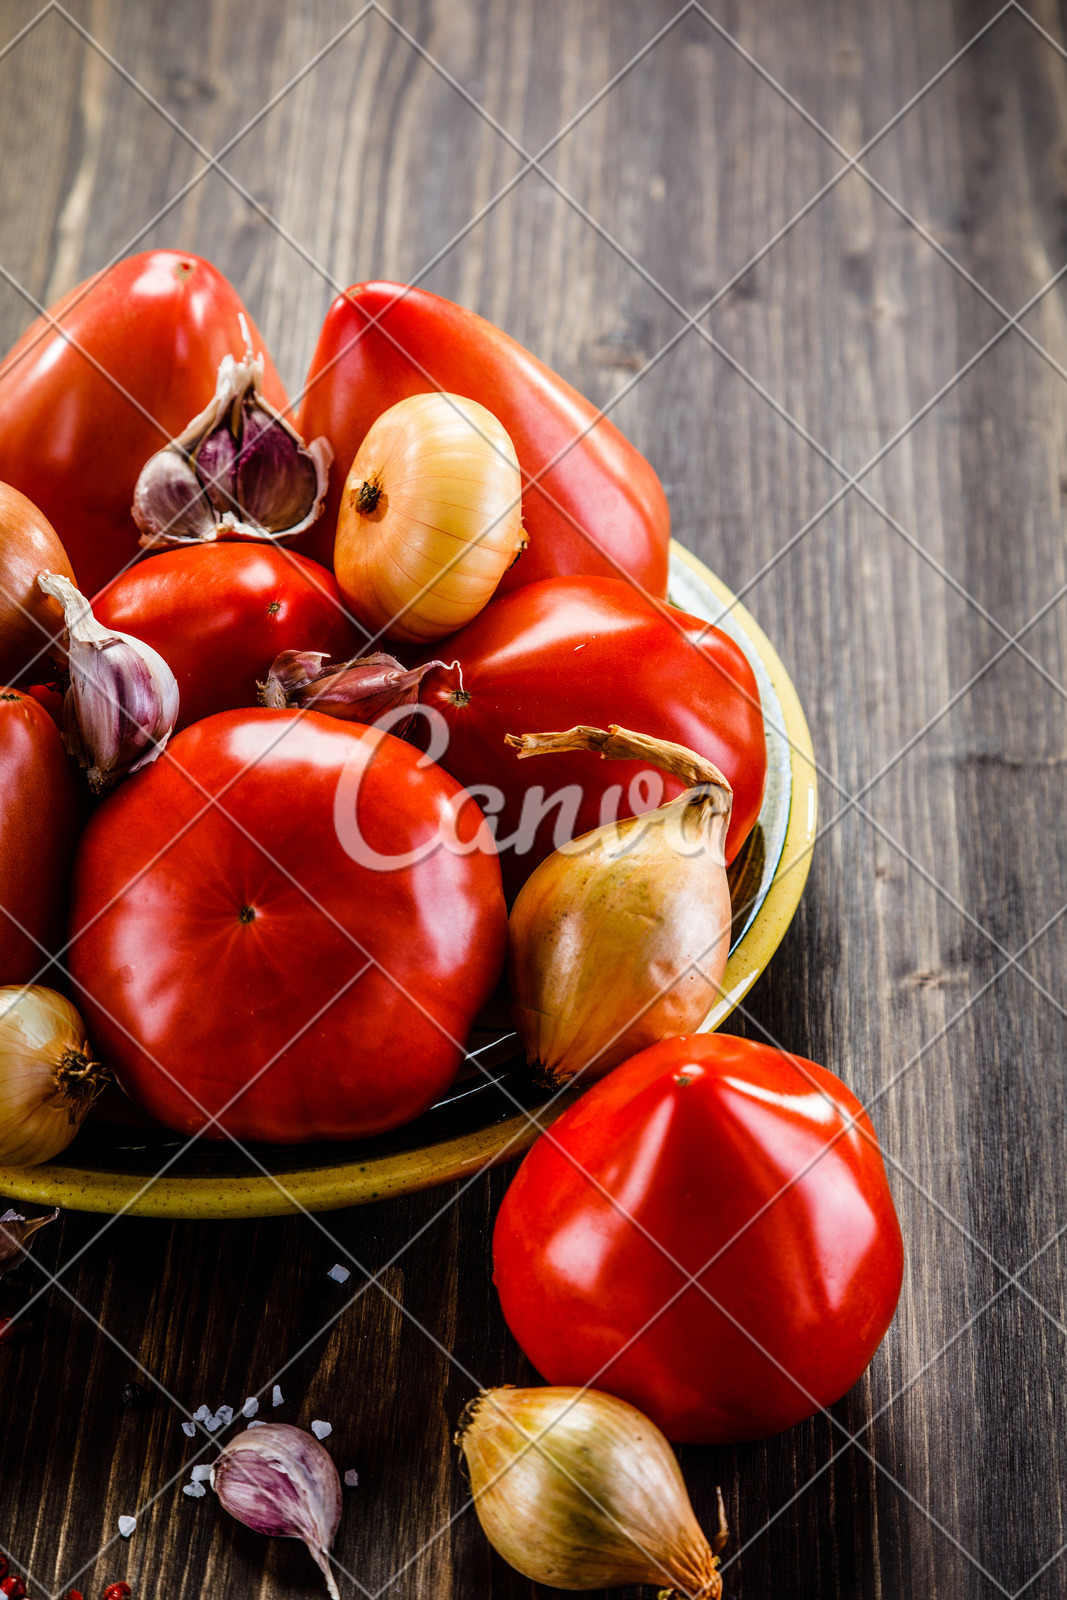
column 600, row 508
column 39, row 821
column 590, row 650
column 728, row 1161
column 219, row 614
column 82, row 409
column 208, row 964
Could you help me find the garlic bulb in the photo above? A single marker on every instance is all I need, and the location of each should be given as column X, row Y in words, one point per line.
column 430, row 519
column 122, row 701
column 238, row 471
column 620, row 938
column 579, row 1490
column 48, row 1078
column 353, row 691
column 277, row 1479
column 15, row 1229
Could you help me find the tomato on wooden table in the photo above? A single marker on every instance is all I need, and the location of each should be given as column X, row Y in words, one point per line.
column 40, row 817
column 220, row 952
column 83, row 405
column 755, row 1172
column 219, row 614
column 590, row 650
column 600, row 508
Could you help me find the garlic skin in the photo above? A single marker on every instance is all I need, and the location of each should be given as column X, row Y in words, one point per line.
column 278, row 1480
column 620, row 938
column 121, row 705
column 48, row 1078
column 598, row 1501
column 238, row 471
column 353, row 691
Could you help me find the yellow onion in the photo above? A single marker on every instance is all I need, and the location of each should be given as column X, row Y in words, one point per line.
column 620, row 938
column 48, row 1078
column 430, row 519
column 29, row 619
column 578, row 1490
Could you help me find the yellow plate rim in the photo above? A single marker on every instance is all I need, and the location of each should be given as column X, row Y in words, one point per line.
column 55, row 1183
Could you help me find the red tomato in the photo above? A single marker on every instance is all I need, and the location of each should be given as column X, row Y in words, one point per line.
column 209, row 964
column 728, row 1161
column 590, row 650
column 39, row 822
column 219, row 614
column 601, row 509
column 79, row 419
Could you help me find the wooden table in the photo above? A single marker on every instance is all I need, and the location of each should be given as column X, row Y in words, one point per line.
column 866, row 437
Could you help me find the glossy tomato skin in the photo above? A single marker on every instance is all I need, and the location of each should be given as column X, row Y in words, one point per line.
column 245, row 942
column 40, row 818
column 74, row 441
column 601, row 509
column 739, row 1161
column 219, row 614
column 592, row 650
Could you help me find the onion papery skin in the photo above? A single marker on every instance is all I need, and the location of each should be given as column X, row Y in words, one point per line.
column 31, row 623
column 430, row 519
column 48, row 1078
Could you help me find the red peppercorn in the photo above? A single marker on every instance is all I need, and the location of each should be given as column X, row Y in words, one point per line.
column 117, row 1591
column 7, row 1328
column 3, row 1565
column 75, row 1594
column 14, row 1588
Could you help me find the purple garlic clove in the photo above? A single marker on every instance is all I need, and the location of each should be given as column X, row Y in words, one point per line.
column 238, row 471
column 14, row 1232
column 359, row 690
column 279, row 1480
column 121, row 704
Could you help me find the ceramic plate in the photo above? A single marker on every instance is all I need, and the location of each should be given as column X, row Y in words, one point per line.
column 130, row 1166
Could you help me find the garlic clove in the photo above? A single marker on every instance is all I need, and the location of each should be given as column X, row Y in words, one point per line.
column 239, row 470
column 121, row 704
column 620, row 937
column 579, row 1490
column 280, row 1481
column 359, row 690
column 14, row 1232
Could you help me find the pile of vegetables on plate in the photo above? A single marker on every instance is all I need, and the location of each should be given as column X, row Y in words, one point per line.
column 345, row 682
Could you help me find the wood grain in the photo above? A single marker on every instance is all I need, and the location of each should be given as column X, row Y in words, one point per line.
column 375, row 164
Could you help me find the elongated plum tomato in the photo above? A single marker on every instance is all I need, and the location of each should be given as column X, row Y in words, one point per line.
column 219, row 614
column 597, row 505
column 39, row 821
column 594, row 651
column 304, row 958
column 84, row 404
column 752, row 1171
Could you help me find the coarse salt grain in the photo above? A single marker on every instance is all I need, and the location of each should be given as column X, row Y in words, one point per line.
column 276, row 1396
column 321, row 1429
column 195, row 1491
column 200, row 1472
column 12, row 1216
column 202, row 1414
column 351, row 1477
column 213, row 1424
column 250, row 1407
column 339, row 1274
column 225, row 1415
column 190, row 1429
column 127, row 1525
column 257, row 1424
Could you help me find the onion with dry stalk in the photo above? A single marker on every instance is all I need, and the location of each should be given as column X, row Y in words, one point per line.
column 620, row 938
column 48, row 1077
column 31, row 622
column 578, row 1490
column 430, row 519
